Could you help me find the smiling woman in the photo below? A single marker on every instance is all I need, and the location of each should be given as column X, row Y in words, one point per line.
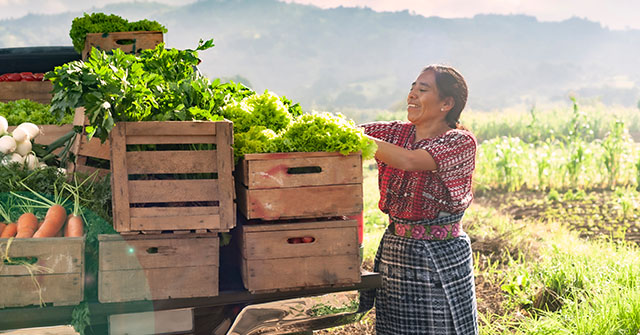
column 425, row 169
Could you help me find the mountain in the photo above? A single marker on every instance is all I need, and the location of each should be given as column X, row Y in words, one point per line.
column 359, row 58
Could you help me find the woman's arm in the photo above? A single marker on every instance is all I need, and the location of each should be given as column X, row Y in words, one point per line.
column 401, row 158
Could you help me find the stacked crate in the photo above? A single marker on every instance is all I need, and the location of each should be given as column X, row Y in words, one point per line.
column 127, row 41
column 295, row 232
column 42, row 271
column 170, row 201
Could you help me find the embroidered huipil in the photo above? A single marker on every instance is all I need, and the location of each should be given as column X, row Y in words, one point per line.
column 417, row 195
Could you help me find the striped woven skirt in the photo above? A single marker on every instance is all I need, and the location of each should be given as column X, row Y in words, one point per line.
column 427, row 287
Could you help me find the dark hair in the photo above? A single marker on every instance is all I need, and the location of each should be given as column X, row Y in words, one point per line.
column 450, row 83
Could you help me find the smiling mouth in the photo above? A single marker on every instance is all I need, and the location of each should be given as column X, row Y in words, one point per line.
column 411, row 105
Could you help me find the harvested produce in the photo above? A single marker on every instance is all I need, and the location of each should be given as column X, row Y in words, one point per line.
column 103, row 23
column 9, row 231
column 22, row 76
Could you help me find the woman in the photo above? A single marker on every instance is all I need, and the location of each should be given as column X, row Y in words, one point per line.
column 425, row 168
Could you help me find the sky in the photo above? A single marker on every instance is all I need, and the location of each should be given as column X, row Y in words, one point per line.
column 613, row 14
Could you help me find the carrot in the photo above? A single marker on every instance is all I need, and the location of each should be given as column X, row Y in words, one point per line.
column 2, row 225
column 27, row 225
column 53, row 221
column 9, row 231
column 75, row 226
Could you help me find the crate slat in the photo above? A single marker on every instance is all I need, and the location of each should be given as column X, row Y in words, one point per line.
column 330, row 240
column 171, row 128
column 300, row 202
column 322, row 169
column 187, row 190
column 59, row 289
column 38, row 91
column 144, row 162
column 288, row 273
column 95, row 148
column 119, row 181
column 119, row 254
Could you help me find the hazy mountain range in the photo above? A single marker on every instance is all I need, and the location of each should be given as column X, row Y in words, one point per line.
column 358, row 58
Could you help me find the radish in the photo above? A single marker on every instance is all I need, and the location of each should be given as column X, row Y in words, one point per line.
column 4, row 125
column 20, row 135
column 31, row 161
column 23, row 148
column 7, row 144
column 31, row 129
column 12, row 158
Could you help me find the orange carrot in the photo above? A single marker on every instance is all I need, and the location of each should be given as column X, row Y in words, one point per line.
column 9, row 231
column 2, row 225
column 53, row 222
column 75, row 226
column 27, row 225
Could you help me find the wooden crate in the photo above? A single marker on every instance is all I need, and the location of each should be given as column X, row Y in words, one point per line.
column 127, row 41
column 147, row 197
column 91, row 155
column 61, row 281
column 299, row 185
column 38, row 91
column 154, row 267
column 272, row 261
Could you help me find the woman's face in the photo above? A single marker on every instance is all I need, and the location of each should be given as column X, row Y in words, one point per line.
column 423, row 102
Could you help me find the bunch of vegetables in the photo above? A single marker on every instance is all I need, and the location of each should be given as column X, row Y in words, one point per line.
column 16, row 147
column 103, row 23
column 164, row 84
column 263, row 124
column 22, row 76
column 157, row 85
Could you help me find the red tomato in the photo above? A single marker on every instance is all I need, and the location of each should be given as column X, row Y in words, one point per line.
column 27, row 76
column 14, row 77
column 39, row 76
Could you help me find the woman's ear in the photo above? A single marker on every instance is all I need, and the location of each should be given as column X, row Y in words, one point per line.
column 448, row 104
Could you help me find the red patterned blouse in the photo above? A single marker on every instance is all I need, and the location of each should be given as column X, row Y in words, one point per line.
column 418, row 195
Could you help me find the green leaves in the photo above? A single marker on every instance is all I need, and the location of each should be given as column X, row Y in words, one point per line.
column 326, row 132
column 158, row 85
column 19, row 111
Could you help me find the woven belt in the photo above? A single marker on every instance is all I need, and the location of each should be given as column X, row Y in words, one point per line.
column 440, row 229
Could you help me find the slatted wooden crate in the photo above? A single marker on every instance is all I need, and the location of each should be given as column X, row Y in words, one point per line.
column 149, row 197
column 92, row 156
column 127, row 41
column 60, row 281
column 273, row 260
column 154, row 267
column 299, row 185
column 38, row 91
